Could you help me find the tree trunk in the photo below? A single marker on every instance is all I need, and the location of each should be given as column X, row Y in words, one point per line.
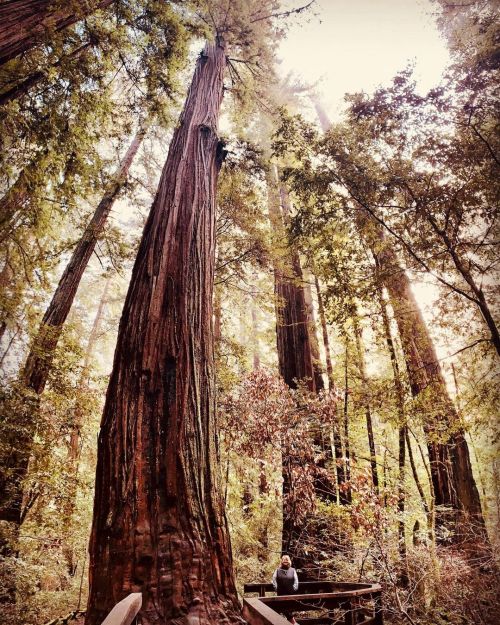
column 159, row 525
column 360, row 348
column 326, row 340
column 451, row 471
column 26, row 23
column 74, row 443
column 292, row 324
column 39, row 360
column 400, row 402
column 347, row 490
column 318, row 369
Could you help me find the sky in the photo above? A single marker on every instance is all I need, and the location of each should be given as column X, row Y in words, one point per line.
column 354, row 45
column 357, row 45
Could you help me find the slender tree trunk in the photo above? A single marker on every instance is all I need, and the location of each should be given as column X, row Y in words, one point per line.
column 159, row 525
column 398, row 386
column 75, row 439
column 360, row 348
column 348, row 491
column 38, row 363
column 326, row 339
column 28, row 83
column 255, row 339
column 26, row 23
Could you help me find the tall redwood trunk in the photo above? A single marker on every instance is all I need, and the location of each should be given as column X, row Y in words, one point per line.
column 294, row 352
column 159, row 524
column 26, row 23
column 36, row 371
column 292, row 323
column 451, row 470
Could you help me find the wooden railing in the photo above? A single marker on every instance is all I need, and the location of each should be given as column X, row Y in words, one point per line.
column 125, row 611
column 323, row 603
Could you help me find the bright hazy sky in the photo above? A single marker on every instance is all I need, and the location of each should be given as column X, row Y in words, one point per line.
column 357, row 45
column 354, row 45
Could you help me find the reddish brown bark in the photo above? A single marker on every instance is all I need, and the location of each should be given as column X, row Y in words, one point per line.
column 26, row 23
column 159, row 525
column 38, row 363
column 292, row 323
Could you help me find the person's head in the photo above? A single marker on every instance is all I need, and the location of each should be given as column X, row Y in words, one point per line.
column 286, row 563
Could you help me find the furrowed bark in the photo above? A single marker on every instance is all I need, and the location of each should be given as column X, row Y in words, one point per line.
column 39, row 361
column 27, row 23
column 159, row 526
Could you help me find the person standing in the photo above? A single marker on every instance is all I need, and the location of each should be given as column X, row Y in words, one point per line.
column 286, row 582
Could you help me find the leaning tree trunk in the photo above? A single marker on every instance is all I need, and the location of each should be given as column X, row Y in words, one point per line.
column 26, row 23
column 159, row 524
column 36, row 371
column 451, row 470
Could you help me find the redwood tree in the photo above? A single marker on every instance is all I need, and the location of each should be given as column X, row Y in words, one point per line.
column 159, row 524
column 25, row 23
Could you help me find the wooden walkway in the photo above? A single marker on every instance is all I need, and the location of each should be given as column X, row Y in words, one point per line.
column 317, row 603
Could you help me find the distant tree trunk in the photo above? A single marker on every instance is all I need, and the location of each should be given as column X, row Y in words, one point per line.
column 292, row 324
column 398, row 385
column 318, row 369
column 28, row 83
column 26, row 23
column 451, row 470
column 38, row 363
column 348, row 491
column 255, row 339
column 75, row 439
column 159, row 525
column 366, row 400
column 326, row 340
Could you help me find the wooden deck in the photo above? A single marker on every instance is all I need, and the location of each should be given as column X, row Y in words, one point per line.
column 317, row 603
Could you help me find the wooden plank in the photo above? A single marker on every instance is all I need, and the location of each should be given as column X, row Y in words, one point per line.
column 125, row 611
column 255, row 612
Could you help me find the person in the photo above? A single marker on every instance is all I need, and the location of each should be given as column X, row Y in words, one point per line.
column 286, row 582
